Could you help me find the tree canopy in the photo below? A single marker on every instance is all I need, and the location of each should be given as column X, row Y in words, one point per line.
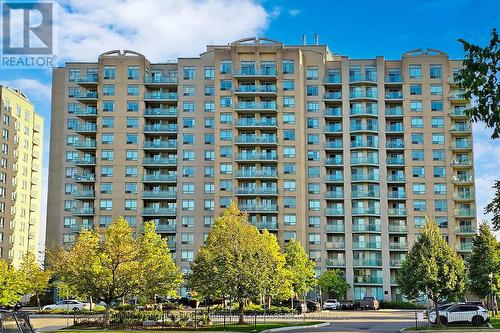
column 12, row 284
column 493, row 207
column 300, row 266
column 333, row 282
column 36, row 279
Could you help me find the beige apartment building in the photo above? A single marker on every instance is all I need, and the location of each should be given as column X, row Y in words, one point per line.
column 345, row 155
column 20, row 175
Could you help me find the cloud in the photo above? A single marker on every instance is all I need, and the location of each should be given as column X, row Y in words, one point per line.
column 34, row 89
column 294, row 12
column 161, row 30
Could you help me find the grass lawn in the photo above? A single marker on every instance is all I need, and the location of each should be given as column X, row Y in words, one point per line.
column 229, row 327
column 495, row 322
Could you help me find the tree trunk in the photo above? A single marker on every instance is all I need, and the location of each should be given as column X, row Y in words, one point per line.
column 105, row 317
column 37, row 301
column 241, row 310
column 436, row 308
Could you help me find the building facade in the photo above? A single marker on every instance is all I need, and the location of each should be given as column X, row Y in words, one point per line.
column 20, row 176
column 346, row 155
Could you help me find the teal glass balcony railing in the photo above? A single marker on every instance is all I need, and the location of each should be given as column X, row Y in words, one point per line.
column 256, row 122
column 256, row 139
column 88, row 79
column 395, row 161
column 256, row 72
column 364, row 111
column 461, row 145
column 165, row 228
column 458, row 113
column 355, row 127
column 159, row 161
column 464, row 246
column 465, row 229
column 333, row 79
column 256, row 191
column 396, row 195
column 160, row 112
column 87, row 95
column 461, row 162
column 465, row 212
column 257, row 156
column 158, row 211
column 85, row 128
column 334, row 178
column 159, row 194
column 395, row 128
column 362, row 94
column 334, row 144
column 329, row 245
column 85, row 161
column 82, row 210
column 365, row 194
column 365, row 211
column 335, row 262
column 366, row 245
column 334, row 211
column 367, row 279
column 337, row 95
column 394, row 78
column 160, row 128
column 89, row 111
column 160, row 96
column 366, row 227
column 395, row 262
column 461, row 128
column 84, row 194
column 334, row 161
column 160, row 79
column 85, row 144
column 334, row 194
column 363, row 78
column 463, row 195
column 394, row 111
column 395, row 144
column 364, row 160
column 256, row 89
column 87, row 177
column 365, row 177
column 394, row 95
column 333, row 128
column 398, row 246
column 77, row 228
column 159, row 145
column 396, row 178
column 159, row 178
column 258, row 208
column 256, row 106
column 462, row 179
column 256, row 173
column 367, row 262
column 398, row 228
column 397, row 211
column 333, row 112
column 266, row 225
column 364, row 144
column 334, row 228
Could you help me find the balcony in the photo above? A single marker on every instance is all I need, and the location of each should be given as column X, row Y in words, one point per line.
column 333, row 178
column 364, row 128
column 252, row 73
column 85, row 128
column 273, row 208
column 160, row 128
column 465, row 230
column 459, row 113
column 83, row 211
column 256, row 139
column 165, row 228
column 362, row 177
column 334, row 195
column 88, row 112
column 462, row 180
column 254, row 123
column 159, row 145
column 155, row 178
column 366, row 245
column 334, row 228
column 159, row 195
column 393, row 80
column 465, row 212
column 84, row 161
column 157, row 81
column 461, row 129
column 396, row 178
column 85, row 178
column 334, row 145
column 332, row 80
column 335, row 263
column 398, row 228
column 395, row 111
column 329, row 245
column 464, row 247
column 333, row 96
column 364, row 144
column 89, row 96
column 334, row 161
column 396, row 195
column 364, row 160
column 84, row 194
column 360, row 78
column 255, row 106
column 397, row 212
column 365, row 211
column 334, row 128
column 256, row 191
column 457, row 96
column 160, row 97
column 159, row 161
column 395, row 262
column 360, row 95
column 159, row 211
column 256, row 174
column 333, row 112
column 89, row 80
column 394, row 95
column 365, row 194
column 396, row 161
column 396, row 128
column 367, row 280
column 334, row 211
column 160, row 112
column 367, row 262
column 360, row 111
column 463, row 196
column 395, row 144
column 256, row 90
column 257, row 157
column 266, row 225
column 366, row 228
column 77, row 228
column 398, row 246
column 85, row 145
column 461, row 145
column 461, row 163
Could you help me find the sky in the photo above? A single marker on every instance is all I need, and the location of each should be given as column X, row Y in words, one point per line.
column 167, row 29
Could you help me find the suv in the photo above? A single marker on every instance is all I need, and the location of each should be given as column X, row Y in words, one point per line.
column 461, row 313
column 331, row 304
column 368, row 302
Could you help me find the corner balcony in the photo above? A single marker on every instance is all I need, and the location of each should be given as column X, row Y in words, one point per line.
column 333, row 112
column 463, row 163
column 364, row 280
column 85, row 128
column 84, row 194
column 87, row 81
column 393, row 80
column 334, row 161
column 88, row 112
column 398, row 229
column 461, row 145
column 335, row 263
column 87, row 161
column 335, row 245
column 396, row 263
column 365, row 211
column 335, row 80
column 256, row 107
column 396, row 195
column 256, row 191
column 254, row 208
column 366, row 245
column 254, row 90
column 365, row 177
column 365, row 194
column 83, row 211
column 159, row 145
column 363, row 95
column 159, row 161
column 256, row 140
column 364, row 112
column 257, row 123
column 253, row 74
column 160, row 81
column 367, row 262
column 77, row 228
column 159, row 195
column 461, row 129
column 334, row 145
column 160, row 113
column 333, row 129
column 85, row 145
column 364, row 161
column 85, row 178
column 366, row 228
column 249, row 174
column 164, row 228
column 360, row 78
column 160, row 128
column 334, row 212
column 88, row 97
column 394, row 96
column 465, row 230
column 459, row 114
column 463, row 247
column 334, row 228
column 463, row 196
column 364, row 144
column 397, row 212
column 272, row 226
column 160, row 97
column 334, row 178
column 333, row 97
column 159, row 211
column 457, row 96
column 155, row 178
column 243, row 157
column 465, row 213
column 462, row 180
column 398, row 246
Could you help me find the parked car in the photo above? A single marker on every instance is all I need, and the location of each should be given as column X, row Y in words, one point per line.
column 331, row 304
column 461, row 313
column 71, row 304
column 297, row 305
column 312, row 306
column 347, row 305
column 367, row 303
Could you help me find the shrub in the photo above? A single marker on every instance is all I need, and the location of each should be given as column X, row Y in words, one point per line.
column 252, row 309
column 400, row 305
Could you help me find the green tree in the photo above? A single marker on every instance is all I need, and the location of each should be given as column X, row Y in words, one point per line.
column 493, row 207
column 333, row 282
column 485, row 260
column 159, row 274
column 479, row 79
column 12, row 284
column 37, row 279
column 232, row 261
column 432, row 268
column 301, row 267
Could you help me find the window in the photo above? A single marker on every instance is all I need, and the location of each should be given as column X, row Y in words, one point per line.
column 132, row 106
column 187, row 221
column 108, row 90
column 289, row 168
column 209, row 106
column 109, row 72
column 188, row 139
column 417, row 122
column 187, row 238
column 289, row 202
column 74, row 74
column 415, row 89
column 132, row 122
column 288, row 101
column 131, row 188
column 226, row 85
column 435, row 71
column 225, row 67
column 314, row 221
column 418, row 172
column 288, row 85
column 187, row 255
column 288, row 118
column 108, row 122
column 209, row 73
column 415, row 71
column 226, row 185
column 130, row 171
column 314, row 238
column 288, row 135
column 436, row 90
column 312, row 139
column 133, row 73
column 419, row 188
column 289, row 151
column 313, row 188
column 209, row 138
column 312, row 72
column 188, row 122
column 226, row 118
column 226, row 151
column 188, row 188
column 440, row 205
column 419, row 205
column 290, row 219
column 208, row 188
column 188, row 106
column 130, row 204
column 439, row 172
column 314, row 205
column 106, row 204
column 132, row 139
column 437, row 122
column 289, row 185
column 312, row 122
column 108, row 138
column 131, row 155
column 189, row 72
column 312, row 106
column 189, row 90
column 209, row 122
column 313, row 172
column 438, row 154
column 438, row 138
column 108, row 106
column 208, row 204
column 132, row 90
column 417, row 155
column 416, row 106
column 439, row 188
column 226, row 101
column 313, row 155
column 226, row 168
column 288, row 66
column 436, row 105
column 312, row 90
column 107, row 155
column 209, row 90
column 417, row 138
column 106, row 171
column 187, row 205
column 419, row 221
column 188, row 155
column 226, row 135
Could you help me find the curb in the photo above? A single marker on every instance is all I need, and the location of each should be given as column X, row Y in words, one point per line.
column 291, row 328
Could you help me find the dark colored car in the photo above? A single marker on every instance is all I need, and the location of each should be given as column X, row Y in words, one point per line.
column 297, row 305
column 312, row 306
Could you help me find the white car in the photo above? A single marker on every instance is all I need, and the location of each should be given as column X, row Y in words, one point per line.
column 331, row 304
column 461, row 313
column 70, row 305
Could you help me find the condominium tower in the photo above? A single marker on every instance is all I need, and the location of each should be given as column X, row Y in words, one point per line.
column 346, row 155
column 20, row 175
